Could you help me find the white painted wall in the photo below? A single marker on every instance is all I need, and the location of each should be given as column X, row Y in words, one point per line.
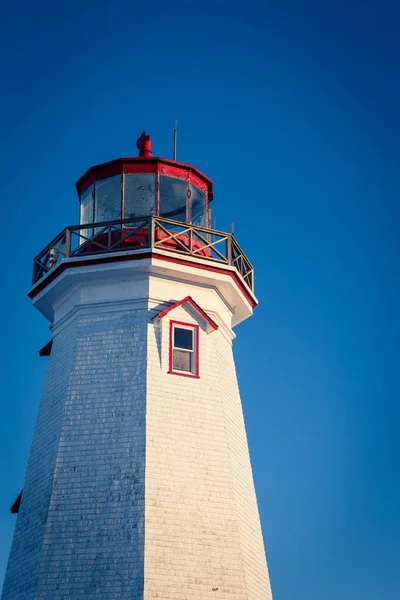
column 139, row 482
column 201, row 517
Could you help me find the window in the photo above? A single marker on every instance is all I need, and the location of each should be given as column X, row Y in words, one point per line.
column 198, row 206
column 87, row 212
column 184, row 345
column 101, row 202
column 139, row 195
column 87, row 205
column 108, row 199
column 173, row 198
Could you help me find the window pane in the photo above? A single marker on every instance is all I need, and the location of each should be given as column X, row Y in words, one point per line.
column 197, row 206
column 139, row 195
column 108, row 199
column 183, row 338
column 87, row 206
column 182, row 360
column 173, row 198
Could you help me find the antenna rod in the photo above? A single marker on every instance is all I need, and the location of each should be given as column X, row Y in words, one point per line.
column 175, row 136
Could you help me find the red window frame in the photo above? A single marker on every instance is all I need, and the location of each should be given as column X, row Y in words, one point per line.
column 195, row 328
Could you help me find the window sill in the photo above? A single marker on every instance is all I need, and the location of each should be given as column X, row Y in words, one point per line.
column 184, row 374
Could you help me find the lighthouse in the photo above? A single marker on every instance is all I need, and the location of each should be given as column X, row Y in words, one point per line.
column 139, row 484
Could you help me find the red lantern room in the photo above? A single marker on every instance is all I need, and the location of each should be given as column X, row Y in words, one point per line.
column 127, row 188
column 132, row 208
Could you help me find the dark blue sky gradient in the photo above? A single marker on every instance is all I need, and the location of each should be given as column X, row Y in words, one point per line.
column 292, row 108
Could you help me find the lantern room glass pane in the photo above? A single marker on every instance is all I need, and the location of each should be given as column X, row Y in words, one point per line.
column 198, row 206
column 108, row 199
column 139, row 195
column 173, row 198
column 87, row 206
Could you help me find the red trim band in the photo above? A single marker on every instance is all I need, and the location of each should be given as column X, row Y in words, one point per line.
column 146, row 165
column 139, row 168
column 98, row 261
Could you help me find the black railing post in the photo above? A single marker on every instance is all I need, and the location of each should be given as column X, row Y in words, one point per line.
column 151, row 232
column 35, row 273
column 229, row 248
column 67, row 243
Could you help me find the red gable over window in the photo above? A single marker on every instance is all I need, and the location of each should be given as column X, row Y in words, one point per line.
column 212, row 326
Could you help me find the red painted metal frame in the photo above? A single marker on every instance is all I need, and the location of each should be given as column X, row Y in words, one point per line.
column 160, row 166
column 171, row 347
column 98, row 261
column 152, row 164
column 195, row 306
column 144, row 167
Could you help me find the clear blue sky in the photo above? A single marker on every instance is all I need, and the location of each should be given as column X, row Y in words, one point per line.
column 292, row 108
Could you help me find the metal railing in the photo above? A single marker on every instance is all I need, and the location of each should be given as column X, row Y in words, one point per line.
column 152, row 233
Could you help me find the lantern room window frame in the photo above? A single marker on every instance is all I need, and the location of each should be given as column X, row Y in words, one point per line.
column 158, row 167
column 194, row 372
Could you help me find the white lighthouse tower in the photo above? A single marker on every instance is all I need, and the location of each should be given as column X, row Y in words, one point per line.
column 139, row 484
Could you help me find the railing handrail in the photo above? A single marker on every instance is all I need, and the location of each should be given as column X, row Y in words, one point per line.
column 102, row 224
column 60, row 247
